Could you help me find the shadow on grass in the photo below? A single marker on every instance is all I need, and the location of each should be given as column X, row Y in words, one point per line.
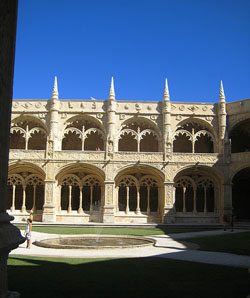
column 137, row 277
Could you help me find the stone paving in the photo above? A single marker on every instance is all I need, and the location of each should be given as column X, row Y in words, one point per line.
column 167, row 246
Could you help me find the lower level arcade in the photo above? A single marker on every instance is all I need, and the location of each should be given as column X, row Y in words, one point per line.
column 135, row 195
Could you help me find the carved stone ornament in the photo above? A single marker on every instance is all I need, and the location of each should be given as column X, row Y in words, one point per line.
column 173, row 107
column 209, row 118
column 149, row 108
column 42, row 115
column 70, row 105
column 27, row 105
column 15, row 104
column 193, row 108
column 122, row 116
column 182, row 108
column 93, row 105
column 204, row 108
column 38, row 105
column 82, row 105
column 64, row 115
column 178, row 117
column 99, row 115
column 153, row 117
column 126, row 107
column 137, row 107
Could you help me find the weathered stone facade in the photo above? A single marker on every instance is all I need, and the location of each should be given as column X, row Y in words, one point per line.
column 112, row 161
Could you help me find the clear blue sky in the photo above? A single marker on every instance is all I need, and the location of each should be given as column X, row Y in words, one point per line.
column 194, row 43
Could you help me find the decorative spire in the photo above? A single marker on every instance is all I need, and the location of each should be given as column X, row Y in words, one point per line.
column 166, row 92
column 222, row 94
column 55, row 94
column 112, row 90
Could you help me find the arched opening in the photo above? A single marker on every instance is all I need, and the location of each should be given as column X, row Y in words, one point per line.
column 240, row 137
column 240, row 195
column 28, row 134
column 37, row 141
column 93, row 142
column 80, row 191
column 17, row 140
column 72, row 141
column 83, row 134
column 138, row 193
column 193, row 137
column 127, row 142
column 149, row 143
column 203, row 144
column 25, row 192
column 138, row 135
column 195, row 193
column 182, row 144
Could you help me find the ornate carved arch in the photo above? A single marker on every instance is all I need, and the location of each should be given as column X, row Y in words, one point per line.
column 128, row 180
column 148, row 181
column 91, row 180
column 34, row 179
column 70, row 180
column 16, row 179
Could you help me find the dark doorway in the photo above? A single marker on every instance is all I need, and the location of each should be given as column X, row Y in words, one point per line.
column 241, row 195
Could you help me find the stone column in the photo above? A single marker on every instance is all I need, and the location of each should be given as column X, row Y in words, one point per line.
column 205, row 200
column 10, row 236
column 184, row 199
column 12, row 209
column 80, row 210
column 34, row 198
column 194, row 207
column 24, row 199
column 91, row 200
column 168, row 208
column 127, row 200
column 138, row 200
column 148, row 200
column 70, row 199
column 109, row 208
column 59, row 207
column 50, row 198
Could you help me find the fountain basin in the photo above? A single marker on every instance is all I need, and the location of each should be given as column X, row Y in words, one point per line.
column 95, row 242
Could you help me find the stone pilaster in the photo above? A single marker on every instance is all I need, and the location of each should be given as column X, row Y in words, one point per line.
column 166, row 116
column 168, row 208
column 53, row 141
column 111, row 121
column 109, row 206
column 50, row 198
column 222, row 119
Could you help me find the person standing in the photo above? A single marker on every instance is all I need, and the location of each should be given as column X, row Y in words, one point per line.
column 28, row 232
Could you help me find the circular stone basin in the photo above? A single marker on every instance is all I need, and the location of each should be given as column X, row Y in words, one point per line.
column 95, row 241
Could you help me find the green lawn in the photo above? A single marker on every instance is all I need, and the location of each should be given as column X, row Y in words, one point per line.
column 139, row 277
column 230, row 242
column 109, row 231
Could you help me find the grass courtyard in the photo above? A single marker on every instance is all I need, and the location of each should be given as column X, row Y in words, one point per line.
column 137, row 277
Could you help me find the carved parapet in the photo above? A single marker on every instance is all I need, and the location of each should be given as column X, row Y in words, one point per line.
column 79, row 155
column 135, row 156
column 203, row 158
column 26, row 154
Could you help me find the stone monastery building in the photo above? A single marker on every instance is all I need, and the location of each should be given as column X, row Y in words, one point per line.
column 80, row 161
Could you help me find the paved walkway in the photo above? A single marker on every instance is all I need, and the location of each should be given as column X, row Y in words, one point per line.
column 167, row 246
